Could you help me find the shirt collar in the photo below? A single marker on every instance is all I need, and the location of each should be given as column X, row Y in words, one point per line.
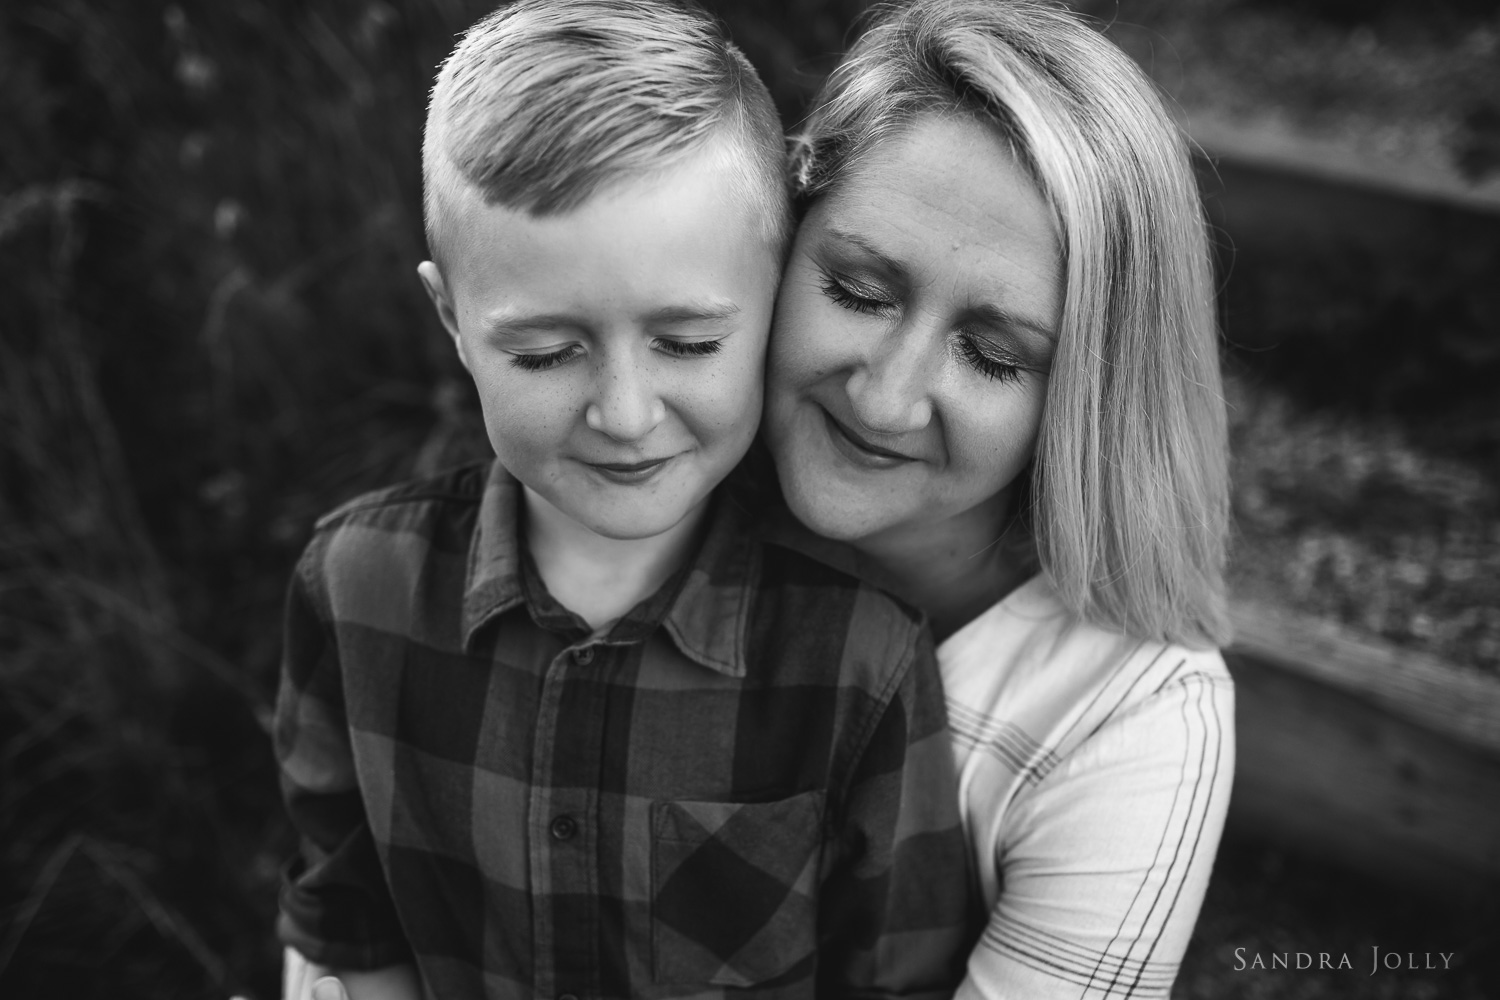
column 707, row 618
column 492, row 584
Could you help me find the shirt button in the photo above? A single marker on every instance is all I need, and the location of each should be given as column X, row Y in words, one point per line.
column 584, row 657
column 563, row 828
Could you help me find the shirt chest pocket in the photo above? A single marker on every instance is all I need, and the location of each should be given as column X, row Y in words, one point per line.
column 734, row 888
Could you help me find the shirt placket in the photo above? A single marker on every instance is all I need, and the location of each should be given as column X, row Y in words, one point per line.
column 563, row 826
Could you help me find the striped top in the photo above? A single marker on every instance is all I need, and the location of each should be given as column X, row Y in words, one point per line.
column 1094, row 778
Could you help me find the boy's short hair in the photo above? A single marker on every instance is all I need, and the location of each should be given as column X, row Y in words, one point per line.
column 545, row 102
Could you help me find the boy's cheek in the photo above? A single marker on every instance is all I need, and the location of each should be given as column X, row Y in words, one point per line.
column 522, row 436
column 530, row 465
column 742, row 420
column 739, row 391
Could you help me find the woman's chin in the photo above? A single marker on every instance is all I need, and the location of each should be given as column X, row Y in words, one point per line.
column 828, row 512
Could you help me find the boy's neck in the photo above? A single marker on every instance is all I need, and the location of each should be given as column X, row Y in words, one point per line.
column 598, row 578
column 953, row 569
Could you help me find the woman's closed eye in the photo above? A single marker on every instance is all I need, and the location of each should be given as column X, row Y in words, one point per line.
column 987, row 361
column 855, row 295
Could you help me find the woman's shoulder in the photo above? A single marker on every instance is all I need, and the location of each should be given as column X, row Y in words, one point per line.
column 1029, row 666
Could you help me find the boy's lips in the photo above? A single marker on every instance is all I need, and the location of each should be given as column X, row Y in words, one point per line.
column 860, row 450
column 629, row 473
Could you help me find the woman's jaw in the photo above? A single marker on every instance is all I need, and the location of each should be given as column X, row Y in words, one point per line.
column 951, row 564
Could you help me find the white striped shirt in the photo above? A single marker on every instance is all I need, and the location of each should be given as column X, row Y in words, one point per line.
column 1094, row 775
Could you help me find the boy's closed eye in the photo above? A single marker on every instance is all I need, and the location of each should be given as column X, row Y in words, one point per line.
column 689, row 348
column 535, row 361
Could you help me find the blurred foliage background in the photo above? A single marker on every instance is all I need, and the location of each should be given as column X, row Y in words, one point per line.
column 1363, row 328
column 211, row 332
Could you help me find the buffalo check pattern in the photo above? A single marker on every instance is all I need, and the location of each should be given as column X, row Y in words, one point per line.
column 745, row 788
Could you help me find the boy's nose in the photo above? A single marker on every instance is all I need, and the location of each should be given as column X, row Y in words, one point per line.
column 888, row 392
column 625, row 406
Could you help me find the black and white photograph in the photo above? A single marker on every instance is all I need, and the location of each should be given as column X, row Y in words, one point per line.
column 733, row 499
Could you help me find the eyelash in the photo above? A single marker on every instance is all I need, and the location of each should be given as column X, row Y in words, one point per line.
column 541, row 362
column 842, row 296
column 971, row 354
column 690, row 348
column 675, row 348
column 986, row 366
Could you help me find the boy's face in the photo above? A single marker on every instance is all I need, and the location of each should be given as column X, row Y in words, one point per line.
column 618, row 348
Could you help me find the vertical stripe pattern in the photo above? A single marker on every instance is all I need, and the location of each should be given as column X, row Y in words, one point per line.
column 1094, row 774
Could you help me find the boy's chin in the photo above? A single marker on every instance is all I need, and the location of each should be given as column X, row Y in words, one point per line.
column 628, row 529
column 632, row 518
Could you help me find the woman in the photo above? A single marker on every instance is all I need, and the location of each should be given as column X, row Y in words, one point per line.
column 994, row 351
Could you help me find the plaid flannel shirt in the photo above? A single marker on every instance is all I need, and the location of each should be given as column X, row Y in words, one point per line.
column 745, row 787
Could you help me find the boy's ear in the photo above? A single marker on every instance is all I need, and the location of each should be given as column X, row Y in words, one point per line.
column 442, row 301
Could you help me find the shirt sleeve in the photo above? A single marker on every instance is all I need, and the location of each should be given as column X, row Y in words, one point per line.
column 898, row 910
column 335, row 906
column 1104, row 863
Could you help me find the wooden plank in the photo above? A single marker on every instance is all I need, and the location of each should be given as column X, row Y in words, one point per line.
column 1461, row 704
column 1328, row 772
column 1270, row 143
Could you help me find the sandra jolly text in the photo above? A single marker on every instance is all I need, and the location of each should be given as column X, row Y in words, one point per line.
column 1389, row 960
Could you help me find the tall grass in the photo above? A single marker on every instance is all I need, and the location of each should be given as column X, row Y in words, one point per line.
column 210, row 332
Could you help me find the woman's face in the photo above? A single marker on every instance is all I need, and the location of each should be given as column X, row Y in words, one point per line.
column 913, row 336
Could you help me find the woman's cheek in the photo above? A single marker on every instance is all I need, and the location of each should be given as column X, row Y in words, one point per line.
column 792, row 347
column 797, row 318
column 829, row 341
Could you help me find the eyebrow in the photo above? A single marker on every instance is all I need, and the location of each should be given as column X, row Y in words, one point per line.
column 692, row 312
column 885, row 259
column 991, row 315
column 503, row 323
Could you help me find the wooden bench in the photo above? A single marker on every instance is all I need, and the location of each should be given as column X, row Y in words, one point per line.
column 1365, row 754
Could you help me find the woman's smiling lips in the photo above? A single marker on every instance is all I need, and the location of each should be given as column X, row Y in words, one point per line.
column 860, row 450
column 629, row 473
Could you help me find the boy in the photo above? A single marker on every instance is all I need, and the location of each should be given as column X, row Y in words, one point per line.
column 577, row 723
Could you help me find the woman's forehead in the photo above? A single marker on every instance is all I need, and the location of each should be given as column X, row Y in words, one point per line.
column 947, row 199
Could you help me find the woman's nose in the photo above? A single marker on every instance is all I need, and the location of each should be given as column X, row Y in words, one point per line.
column 889, row 391
column 626, row 406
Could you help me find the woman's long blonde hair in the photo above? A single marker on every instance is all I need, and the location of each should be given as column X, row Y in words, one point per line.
column 1129, row 486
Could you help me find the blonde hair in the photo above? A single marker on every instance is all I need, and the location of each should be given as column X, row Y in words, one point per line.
column 1129, row 485
column 545, row 102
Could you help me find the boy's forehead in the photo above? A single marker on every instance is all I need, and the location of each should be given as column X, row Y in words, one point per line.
column 719, row 178
column 672, row 248
column 697, row 207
